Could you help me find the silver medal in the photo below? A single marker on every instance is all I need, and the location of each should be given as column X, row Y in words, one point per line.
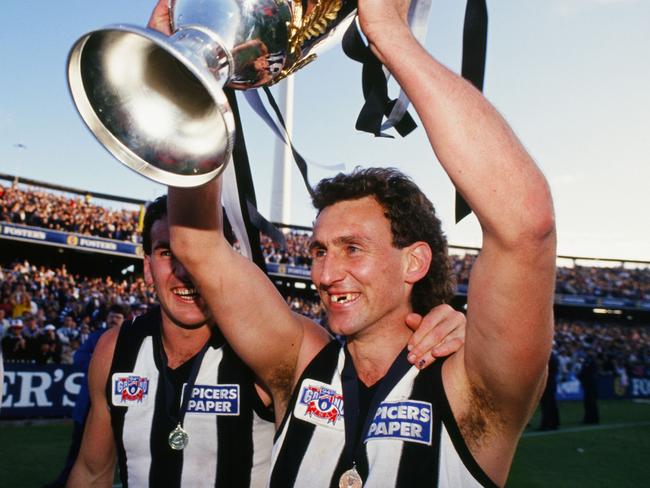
column 178, row 439
column 350, row 479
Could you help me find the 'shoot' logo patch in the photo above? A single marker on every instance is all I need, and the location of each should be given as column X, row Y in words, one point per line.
column 129, row 389
column 320, row 404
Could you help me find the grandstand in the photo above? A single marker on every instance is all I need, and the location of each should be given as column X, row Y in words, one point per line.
column 56, row 225
column 66, row 251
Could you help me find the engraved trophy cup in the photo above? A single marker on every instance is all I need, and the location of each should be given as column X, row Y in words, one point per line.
column 157, row 103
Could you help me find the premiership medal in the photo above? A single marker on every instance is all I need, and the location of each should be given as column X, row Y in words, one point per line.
column 178, row 439
column 350, row 479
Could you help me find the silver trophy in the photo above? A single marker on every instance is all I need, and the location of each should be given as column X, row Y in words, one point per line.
column 157, row 103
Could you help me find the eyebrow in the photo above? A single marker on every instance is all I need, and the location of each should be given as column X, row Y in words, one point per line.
column 345, row 239
column 161, row 245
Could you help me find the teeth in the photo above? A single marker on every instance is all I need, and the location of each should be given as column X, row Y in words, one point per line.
column 342, row 298
column 185, row 292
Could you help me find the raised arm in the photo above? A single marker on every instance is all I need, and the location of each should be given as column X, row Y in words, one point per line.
column 254, row 318
column 509, row 316
column 95, row 465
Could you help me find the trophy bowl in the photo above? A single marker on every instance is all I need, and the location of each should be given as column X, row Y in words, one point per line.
column 157, row 103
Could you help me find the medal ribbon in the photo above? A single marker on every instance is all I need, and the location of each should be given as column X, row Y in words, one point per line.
column 169, row 386
column 351, row 414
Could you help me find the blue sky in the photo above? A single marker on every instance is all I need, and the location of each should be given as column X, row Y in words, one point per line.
column 571, row 77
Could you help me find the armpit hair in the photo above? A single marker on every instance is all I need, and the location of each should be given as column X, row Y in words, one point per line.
column 281, row 381
column 481, row 419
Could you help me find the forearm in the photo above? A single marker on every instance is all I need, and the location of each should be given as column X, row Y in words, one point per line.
column 83, row 476
column 474, row 144
column 195, row 221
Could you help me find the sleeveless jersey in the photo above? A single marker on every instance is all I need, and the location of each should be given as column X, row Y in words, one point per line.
column 230, row 431
column 412, row 439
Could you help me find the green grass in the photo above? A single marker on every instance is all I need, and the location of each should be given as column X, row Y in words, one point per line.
column 612, row 454
column 32, row 455
column 615, row 453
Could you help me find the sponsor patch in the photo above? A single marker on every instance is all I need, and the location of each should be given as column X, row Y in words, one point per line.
column 213, row 399
column 320, row 404
column 408, row 420
column 129, row 389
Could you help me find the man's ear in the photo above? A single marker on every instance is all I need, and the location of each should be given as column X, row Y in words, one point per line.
column 148, row 277
column 418, row 260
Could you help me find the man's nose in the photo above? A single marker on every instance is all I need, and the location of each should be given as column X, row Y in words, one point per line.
column 330, row 270
column 179, row 270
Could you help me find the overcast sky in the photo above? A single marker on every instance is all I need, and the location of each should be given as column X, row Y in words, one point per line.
column 571, row 77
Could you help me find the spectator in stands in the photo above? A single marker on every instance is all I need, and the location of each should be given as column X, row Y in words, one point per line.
column 84, row 331
column 69, row 330
column 114, row 318
column 68, row 350
column 23, row 303
column 295, row 253
column 31, row 330
column 49, row 346
column 4, row 322
column 14, row 345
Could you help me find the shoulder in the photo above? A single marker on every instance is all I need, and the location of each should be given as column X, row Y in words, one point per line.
column 106, row 346
column 314, row 339
column 315, row 335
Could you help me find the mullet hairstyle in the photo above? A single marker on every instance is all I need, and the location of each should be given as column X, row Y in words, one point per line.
column 412, row 218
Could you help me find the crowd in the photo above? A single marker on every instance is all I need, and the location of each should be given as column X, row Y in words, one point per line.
column 604, row 282
column 39, row 208
column 294, row 253
column 609, row 282
column 307, row 307
column 46, row 313
column 620, row 350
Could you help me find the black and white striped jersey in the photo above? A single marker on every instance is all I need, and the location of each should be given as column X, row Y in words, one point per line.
column 412, row 439
column 230, row 431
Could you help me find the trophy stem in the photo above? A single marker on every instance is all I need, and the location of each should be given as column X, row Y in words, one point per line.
column 204, row 47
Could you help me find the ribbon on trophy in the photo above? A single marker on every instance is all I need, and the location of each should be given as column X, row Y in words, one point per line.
column 375, row 78
column 238, row 198
column 473, row 65
column 280, row 129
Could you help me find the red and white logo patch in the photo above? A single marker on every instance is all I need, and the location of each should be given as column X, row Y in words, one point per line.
column 320, row 404
column 129, row 389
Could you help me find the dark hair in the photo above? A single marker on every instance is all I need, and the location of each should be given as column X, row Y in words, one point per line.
column 412, row 218
column 156, row 210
